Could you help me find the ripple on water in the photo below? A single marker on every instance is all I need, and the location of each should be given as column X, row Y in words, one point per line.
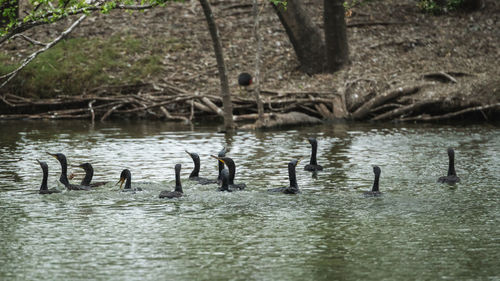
column 330, row 231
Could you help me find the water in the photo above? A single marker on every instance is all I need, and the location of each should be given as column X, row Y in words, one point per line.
column 418, row 229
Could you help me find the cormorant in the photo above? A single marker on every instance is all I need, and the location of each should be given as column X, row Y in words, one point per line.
column 313, row 163
column 224, row 180
column 43, row 188
column 451, row 178
column 293, row 188
column 126, row 177
column 178, row 186
column 64, row 173
column 375, row 191
column 194, row 176
column 232, row 171
column 89, row 173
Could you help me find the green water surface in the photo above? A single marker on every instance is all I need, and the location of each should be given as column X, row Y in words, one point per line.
column 418, row 229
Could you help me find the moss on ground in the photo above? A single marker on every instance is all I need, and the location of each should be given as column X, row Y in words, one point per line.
column 77, row 65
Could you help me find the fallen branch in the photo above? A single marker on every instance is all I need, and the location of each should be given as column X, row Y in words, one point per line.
column 212, row 106
column 252, row 116
column 30, row 40
column 449, row 115
column 277, row 119
column 440, row 76
column 416, row 42
column 401, row 110
column 324, row 111
column 386, row 106
column 364, row 109
column 169, row 116
column 384, row 23
column 108, row 113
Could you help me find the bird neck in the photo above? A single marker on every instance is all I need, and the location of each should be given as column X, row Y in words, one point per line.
column 178, row 185
column 232, row 171
column 375, row 182
column 451, row 166
column 64, row 173
column 88, row 177
column 292, row 177
column 44, row 180
column 313, row 160
column 128, row 182
column 221, row 167
column 196, row 170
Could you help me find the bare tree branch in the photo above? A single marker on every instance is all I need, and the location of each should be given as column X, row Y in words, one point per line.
column 31, row 40
column 50, row 18
column 31, row 57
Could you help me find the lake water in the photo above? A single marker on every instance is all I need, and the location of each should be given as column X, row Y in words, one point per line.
column 418, row 229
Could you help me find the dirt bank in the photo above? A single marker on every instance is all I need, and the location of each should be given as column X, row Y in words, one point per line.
column 392, row 44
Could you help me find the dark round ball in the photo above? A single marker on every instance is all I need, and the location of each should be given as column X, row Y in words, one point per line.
column 244, row 79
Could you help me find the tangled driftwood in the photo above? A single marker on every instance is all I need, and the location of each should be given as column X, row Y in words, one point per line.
column 166, row 101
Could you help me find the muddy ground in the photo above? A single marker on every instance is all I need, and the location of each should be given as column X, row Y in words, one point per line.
column 395, row 45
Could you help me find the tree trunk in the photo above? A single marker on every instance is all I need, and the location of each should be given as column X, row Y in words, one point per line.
column 258, row 39
column 337, row 51
column 304, row 36
column 226, row 95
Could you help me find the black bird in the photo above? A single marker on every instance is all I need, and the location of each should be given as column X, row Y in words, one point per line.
column 232, row 171
column 313, row 163
column 293, row 188
column 222, row 153
column 375, row 191
column 194, row 176
column 126, row 177
column 178, row 186
column 64, row 173
column 245, row 79
column 89, row 173
column 451, row 178
column 43, row 188
column 225, row 181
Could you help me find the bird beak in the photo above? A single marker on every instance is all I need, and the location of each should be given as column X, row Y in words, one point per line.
column 218, row 158
column 298, row 161
column 121, row 181
column 188, row 152
column 38, row 161
column 53, row 155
